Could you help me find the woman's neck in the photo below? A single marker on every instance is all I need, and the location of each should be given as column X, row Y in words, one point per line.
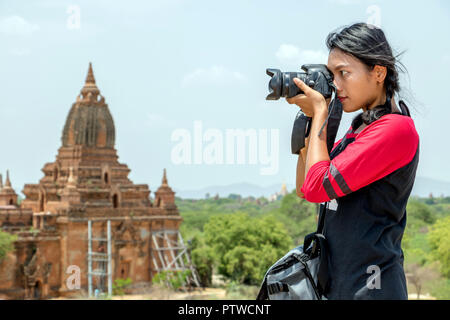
column 381, row 99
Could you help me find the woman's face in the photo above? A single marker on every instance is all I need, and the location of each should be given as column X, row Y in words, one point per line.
column 357, row 86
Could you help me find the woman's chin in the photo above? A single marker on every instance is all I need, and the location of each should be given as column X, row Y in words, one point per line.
column 349, row 108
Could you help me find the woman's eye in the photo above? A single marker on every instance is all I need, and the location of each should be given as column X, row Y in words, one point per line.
column 343, row 72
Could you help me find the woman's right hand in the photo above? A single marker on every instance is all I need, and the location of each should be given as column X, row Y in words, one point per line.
column 309, row 100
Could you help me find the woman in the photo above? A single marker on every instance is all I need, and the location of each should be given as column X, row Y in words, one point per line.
column 367, row 178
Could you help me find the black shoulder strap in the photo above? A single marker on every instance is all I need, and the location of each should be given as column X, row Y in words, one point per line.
column 404, row 108
column 322, row 218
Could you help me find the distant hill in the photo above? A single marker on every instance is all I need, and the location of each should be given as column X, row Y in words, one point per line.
column 422, row 188
column 244, row 189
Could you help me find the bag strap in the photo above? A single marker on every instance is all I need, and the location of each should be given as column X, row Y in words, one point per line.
column 323, row 277
column 321, row 223
column 262, row 294
column 310, row 237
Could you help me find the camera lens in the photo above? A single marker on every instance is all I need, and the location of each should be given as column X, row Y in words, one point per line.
column 282, row 85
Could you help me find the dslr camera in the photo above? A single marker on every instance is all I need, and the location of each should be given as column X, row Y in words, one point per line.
column 319, row 78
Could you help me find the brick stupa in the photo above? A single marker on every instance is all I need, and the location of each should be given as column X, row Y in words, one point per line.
column 85, row 182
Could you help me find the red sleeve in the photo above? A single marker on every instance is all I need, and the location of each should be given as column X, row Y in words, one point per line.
column 334, row 146
column 379, row 149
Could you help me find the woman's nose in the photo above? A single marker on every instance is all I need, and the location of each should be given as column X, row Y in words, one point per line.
column 337, row 85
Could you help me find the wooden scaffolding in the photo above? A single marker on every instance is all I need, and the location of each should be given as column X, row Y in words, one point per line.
column 173, row 255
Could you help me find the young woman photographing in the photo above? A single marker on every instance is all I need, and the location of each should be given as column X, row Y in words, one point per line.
column 367, row 178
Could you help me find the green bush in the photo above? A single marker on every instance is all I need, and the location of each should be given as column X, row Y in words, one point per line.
column 171, row 279
column 416, row 248
column 120, row 285
column 419, row 214
column 243, row 247
column 203, row 258
column 439, row 240
column 298, row 216
column 441, row 289
column 6, row 243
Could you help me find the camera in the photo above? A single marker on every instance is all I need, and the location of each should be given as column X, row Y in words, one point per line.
column 319, row 78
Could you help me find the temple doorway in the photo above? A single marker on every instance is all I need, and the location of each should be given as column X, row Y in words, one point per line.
column 37, row 292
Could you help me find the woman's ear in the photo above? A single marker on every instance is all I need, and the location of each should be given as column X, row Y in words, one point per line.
column 380, row 73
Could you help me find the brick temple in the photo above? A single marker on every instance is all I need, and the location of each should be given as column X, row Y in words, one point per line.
column 85, row 183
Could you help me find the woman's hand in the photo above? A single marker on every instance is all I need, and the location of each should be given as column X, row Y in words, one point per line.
column 311, row 102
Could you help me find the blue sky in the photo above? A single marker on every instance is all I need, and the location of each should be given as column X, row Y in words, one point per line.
column 162, row 65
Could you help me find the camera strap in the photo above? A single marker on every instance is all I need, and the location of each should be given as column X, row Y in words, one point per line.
column 321, row 223
column 330, row 111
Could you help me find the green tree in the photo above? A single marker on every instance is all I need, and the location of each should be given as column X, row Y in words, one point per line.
column 243, row 247
column 6, row 243
column 298, row 216
column 120, row 285
column 171, row 279
column 439, row 240
column 234, row 196
column 203, row 259
column 417, row 210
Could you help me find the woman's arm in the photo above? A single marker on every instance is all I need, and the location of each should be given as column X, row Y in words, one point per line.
column 314, row 105
column 384, row 146
column 301, row 168
column 317, row 149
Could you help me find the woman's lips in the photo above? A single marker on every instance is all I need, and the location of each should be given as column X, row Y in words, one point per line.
column 342, row 98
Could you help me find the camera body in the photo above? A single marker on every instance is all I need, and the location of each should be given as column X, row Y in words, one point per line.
column 317, row 76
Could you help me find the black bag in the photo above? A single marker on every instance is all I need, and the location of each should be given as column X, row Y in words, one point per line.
column 302, row 274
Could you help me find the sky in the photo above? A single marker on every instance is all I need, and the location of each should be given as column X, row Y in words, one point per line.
column 179, row 71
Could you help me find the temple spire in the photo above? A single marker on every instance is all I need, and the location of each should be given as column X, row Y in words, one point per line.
column 90, row 90
column 7, row 195
column 7, row 182
column 164, row 179
column 90, row 76
column 164, row 196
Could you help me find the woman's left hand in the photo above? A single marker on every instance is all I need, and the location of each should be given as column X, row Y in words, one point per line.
column 311, row 102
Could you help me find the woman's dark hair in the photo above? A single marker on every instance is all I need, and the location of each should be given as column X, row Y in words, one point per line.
column 369, row 44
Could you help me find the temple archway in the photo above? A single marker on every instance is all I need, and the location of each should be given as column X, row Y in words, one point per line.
column 37, row 292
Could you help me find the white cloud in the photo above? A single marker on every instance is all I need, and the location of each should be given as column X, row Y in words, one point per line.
column 290, row 54
column 15, row 25
column 215, row 75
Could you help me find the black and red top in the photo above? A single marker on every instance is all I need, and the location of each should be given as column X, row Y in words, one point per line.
column 367, row 184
